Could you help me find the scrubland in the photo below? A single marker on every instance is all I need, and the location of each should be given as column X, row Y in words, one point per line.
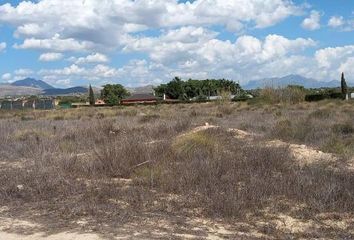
column 208, row 170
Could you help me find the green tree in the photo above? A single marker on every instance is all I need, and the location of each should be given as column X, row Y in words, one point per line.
column 344, row 86
column 91, row 96
column 113, row 93
column 160, row 90
column 175, row 89
column 199, row 89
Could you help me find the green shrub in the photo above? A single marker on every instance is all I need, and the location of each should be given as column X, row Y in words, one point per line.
column 240, row 99
column 336, row 95
column 322, row 96
column 315, row 97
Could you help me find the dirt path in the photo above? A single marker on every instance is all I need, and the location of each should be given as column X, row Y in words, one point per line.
column 42, row 236
column 154, row 228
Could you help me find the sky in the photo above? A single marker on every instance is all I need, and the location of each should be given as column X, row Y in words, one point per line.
column 140, row 42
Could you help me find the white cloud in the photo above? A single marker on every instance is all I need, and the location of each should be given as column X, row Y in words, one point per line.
column 73, row 25
column 2, row 46
column 347, row 66
column 55, row 44
column 92, row 58
column 312, row 22
column 67, row 71
column 18, row 74
column 50, row 57
column 6, row 77
column 336, row 21
column 195, row 53
column 332, row 61
column 199, row 46
column 63, row 82
column 328, row 56
column 23, row 72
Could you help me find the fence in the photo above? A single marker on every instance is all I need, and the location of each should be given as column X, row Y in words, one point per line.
column 42, row 104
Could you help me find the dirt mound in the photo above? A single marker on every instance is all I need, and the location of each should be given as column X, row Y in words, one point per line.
column 304, row 154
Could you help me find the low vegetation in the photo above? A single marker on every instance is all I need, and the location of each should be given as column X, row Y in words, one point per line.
column 111, row 166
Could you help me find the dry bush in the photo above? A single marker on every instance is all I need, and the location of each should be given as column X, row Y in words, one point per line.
column 148, row 118
column 226, row 178
column 224, row 104
column 289, row 94
column 119, row 156
column 73, row 166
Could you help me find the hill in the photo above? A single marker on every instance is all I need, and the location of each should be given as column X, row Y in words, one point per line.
column 66, row 91
column 31, row 82
column 290, row 80
column 143, row 89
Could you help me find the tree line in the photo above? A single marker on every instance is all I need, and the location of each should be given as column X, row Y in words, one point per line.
column 197, row 89
column 112, row 94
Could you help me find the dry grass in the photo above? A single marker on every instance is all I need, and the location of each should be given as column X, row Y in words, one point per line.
column 115, row 163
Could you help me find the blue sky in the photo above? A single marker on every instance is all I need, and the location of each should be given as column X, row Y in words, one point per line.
column 80, row 42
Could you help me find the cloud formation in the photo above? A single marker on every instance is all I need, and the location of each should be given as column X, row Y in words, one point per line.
column 194, row 52
column 339, row 22
column 336, row 21
column 2, row 46
column 92, row 58
column 72, row 25
column 312, row 22
column 50, row 57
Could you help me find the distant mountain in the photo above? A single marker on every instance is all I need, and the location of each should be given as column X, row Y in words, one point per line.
column 143, row 89
column 290, row 80
column 66, row 91
column 30, row 82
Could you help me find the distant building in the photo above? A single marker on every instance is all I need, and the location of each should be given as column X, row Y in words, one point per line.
column 141, row 98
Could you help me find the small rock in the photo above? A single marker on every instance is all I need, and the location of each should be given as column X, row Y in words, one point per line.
column 20, row 187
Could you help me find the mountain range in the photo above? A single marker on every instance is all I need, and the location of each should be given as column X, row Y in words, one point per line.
column 30, row 86
column 290, row 80
column 143, row 89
